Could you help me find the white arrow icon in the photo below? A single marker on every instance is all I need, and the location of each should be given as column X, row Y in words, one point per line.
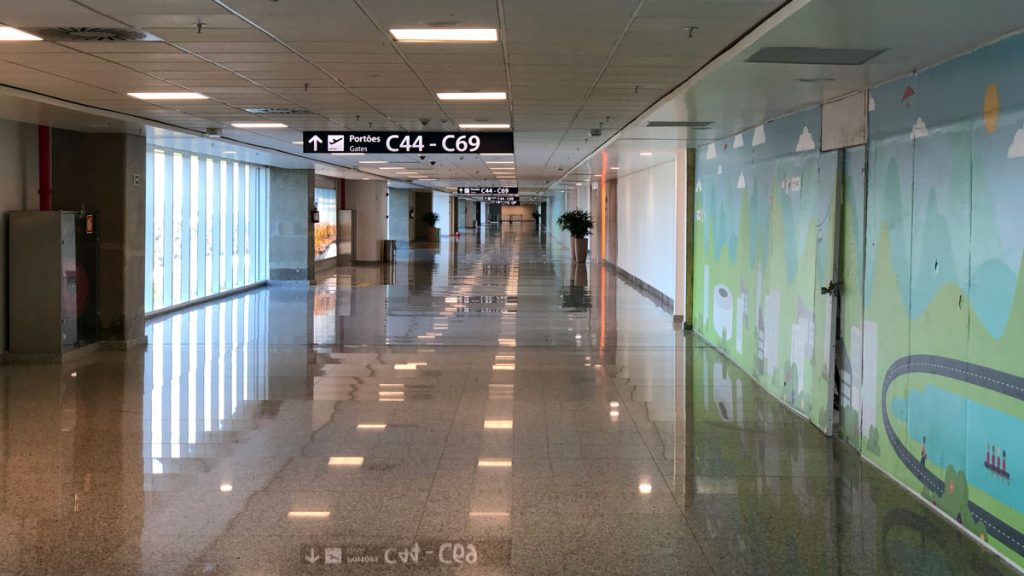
column 316, row 141
column 312, row 557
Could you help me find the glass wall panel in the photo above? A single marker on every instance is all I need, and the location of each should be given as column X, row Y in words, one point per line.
column 207, row 227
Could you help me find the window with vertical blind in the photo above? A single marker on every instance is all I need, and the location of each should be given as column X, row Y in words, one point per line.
column 206, row 226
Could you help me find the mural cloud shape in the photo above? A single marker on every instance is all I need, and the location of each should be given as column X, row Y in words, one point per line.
column 759, row 137
column 737, row 142
column 1017, row 148
column 871, row 103
column 712, row 153
column 920, row 130
column 741, row 184
column 806, row 141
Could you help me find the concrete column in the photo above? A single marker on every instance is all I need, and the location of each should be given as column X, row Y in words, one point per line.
column 369, row 202
column 106, row 173
column 682, row 299
column 291, row 225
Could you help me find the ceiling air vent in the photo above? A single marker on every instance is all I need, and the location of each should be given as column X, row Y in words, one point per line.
column 76, row 34
column 822, row 56
column 692, row 124
column 276, row 111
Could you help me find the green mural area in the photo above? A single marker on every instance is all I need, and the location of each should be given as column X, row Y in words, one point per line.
column 931, row 317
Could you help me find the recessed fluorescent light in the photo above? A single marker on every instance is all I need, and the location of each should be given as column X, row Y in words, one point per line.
column 348, row 154
column 646, row 153
column 506, row 367
column 500, row 162
column 226, row 487
column 230, row 152
column 309, row 515
column 391, row 385
column 259, row 125
column 371, row 426
column 345, row 461
column 485, row 126
column 615, row 168
column 497, row 424
column 445, row 34
column 8, row 34
column 493, row 463
column 168, row 95
column 645, row 488
column 471, row 96
column 373, row 161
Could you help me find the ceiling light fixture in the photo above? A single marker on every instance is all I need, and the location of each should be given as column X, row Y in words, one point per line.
column 390, row 168
column 485, row 126
column 168, row 95
column 8, row 34
column 468, row 96
column 373, row 162
column 445, row 34
column 258, row 125
column 647, row 153
column 500, row 162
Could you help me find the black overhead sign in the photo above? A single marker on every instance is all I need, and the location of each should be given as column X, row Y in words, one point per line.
column 407, row 142
column 489, row 190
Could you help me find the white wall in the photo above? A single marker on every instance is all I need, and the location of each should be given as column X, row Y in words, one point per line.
column 647, row 226
column 19, row 183
column 443, row 206
column 368, row 199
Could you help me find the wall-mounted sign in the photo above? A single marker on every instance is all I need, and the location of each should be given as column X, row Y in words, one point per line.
column 489, row 190
column 407, row 142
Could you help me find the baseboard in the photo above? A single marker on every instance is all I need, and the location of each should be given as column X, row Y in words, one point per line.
column 662, row 300
column 17, row 358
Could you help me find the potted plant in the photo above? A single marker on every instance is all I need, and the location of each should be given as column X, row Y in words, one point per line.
column 578, row 224
column 430, row 219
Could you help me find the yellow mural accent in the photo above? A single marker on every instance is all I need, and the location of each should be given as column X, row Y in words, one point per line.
column 991, row 110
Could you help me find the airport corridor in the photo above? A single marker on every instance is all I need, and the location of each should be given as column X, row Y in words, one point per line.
column 488, row 407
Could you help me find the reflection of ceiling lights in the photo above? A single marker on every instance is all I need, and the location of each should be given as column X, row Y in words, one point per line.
column 497, row 424
column 445, row 34
column 471, row 96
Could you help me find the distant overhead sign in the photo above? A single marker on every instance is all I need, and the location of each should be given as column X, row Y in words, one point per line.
column 489, row 190
column 503, row 200
column 407, row 142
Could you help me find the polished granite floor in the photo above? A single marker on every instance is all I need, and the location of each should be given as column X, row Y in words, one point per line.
column 485, row 408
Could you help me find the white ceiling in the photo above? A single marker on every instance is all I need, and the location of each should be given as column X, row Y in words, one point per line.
column 567, row 65
column 735, row 94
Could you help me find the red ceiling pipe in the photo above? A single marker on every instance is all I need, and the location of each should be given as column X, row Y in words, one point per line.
column 45, row 158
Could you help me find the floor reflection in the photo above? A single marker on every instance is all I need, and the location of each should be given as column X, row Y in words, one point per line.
column 488, row 401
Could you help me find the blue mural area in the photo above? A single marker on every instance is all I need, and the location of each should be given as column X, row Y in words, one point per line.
column 932, row 308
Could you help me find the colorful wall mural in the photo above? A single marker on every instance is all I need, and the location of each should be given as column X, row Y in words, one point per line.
column 931, row 318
